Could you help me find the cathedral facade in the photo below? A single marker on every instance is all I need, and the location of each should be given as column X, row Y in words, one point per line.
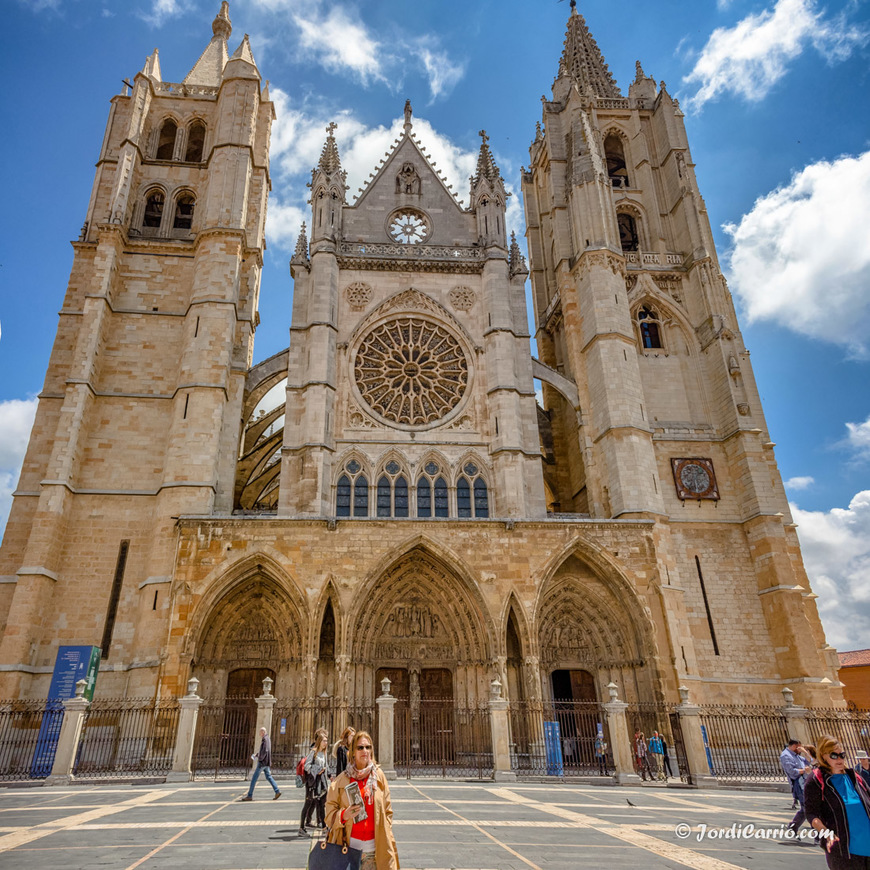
column 408, row 508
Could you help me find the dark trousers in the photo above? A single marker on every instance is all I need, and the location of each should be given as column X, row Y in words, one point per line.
column 311, row 804
column 856, row 862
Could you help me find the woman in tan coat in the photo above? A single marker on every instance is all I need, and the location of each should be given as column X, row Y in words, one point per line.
column 374, row 834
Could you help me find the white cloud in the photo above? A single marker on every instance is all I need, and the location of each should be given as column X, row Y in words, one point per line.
column 442, row 71
column 749, row 58
column 16, row 421
column 799, row 482
column 801, row 256
column 338, row 42
column 859, row 438
column 161, row 11
column 41, row 5
column 836, row 551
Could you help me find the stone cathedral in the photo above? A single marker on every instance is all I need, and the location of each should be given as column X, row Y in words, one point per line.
column 410, row 509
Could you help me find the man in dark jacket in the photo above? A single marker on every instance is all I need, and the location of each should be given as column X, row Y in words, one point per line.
column 264, row 763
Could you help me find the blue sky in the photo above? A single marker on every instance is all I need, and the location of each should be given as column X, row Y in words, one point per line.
column 775, row 94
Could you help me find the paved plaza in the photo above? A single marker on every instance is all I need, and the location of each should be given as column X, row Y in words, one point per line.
column 438, row 824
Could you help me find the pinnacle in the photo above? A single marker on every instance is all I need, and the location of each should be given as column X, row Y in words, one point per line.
column 329, row 160
column 301, row 252
column 222, row 26
column 517, row 262
column 583, row 61
column 486, row 167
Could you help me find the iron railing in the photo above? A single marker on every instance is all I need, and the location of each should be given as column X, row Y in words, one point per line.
column 127, row 737
column 744, row 743
column 560, row 738
column 649, row 718
column 28, row 738
column 294, row 724
column 225, row 739
column 850, row 727
column 439, row 737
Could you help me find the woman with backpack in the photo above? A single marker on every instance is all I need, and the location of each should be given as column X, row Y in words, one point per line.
column 838, row 807
column 316, row 783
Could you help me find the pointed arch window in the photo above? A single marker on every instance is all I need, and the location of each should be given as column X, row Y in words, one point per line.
column 650, row 328
column 166, row 140
column 424, row 497
column 195, row 142
column 184, row 206
column 384, row 497
column 352, row 491
column 614, row 156
column 442, row 507
column 629, row 238
column 153, row 215
column 432, row 492
column 392, row 497
column 472, row 495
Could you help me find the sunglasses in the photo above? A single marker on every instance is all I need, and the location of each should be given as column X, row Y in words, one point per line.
column 840, row 755
column 365, row 748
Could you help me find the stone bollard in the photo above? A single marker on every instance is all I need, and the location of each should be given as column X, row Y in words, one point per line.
column 186, row 736
column 693, row 742
column 500, row 725
column 74, row 710
column 619, row 740
column 795, row 718
column 265, row 707
column 386, row 729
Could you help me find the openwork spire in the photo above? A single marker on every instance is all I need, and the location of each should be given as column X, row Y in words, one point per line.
column 583, row 61
column 329, row 161
column 486, row 167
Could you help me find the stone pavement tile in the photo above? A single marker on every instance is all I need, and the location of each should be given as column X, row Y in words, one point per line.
column 83, row 857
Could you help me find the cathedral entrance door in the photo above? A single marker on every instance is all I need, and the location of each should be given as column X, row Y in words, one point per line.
column 240, row 715
column 579, row 717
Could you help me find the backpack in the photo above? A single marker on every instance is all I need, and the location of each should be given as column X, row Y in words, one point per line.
column 300, row 772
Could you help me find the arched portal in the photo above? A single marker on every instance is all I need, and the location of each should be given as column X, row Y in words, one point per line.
column 419, row 617
column 591, row 631
column 254, row 628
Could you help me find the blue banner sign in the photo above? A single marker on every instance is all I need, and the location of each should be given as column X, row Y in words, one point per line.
column 707, row 750
column 73, row 663
column 553, row 743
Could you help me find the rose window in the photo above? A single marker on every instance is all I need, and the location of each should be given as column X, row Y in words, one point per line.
column 408, row 227
column 411, row 371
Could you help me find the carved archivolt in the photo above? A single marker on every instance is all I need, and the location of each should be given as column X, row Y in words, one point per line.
column 253, row 625
column 419, row 612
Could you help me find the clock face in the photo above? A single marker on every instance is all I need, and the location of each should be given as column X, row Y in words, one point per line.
column 408, row 227
column 694, row 478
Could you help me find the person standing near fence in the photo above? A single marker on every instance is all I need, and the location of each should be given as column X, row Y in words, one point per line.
column 264, row 764
column 794, row 765
column 862, row 768
column 340, row 749
column 601, row 753
column 640, row 756
column 316, row 783
column 657, row 751
column 838, row 801
column 374, row 834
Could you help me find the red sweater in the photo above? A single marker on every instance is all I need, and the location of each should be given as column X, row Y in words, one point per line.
column 364, row 830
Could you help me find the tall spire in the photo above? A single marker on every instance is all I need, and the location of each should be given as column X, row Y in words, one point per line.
column 517, row 262
column 486, row 167
column 329, row 160
column 583, row 61
column 210, row 66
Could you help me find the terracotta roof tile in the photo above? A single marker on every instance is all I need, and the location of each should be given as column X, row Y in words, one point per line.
column 854, row 658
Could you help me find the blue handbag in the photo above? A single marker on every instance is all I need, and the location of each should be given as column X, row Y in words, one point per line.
column 334, row 856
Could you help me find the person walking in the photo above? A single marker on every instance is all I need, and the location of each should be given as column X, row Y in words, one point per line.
column 264, row 764
column 316, row 783
column 373, row 835
column 794, row 765
column 862, row 768
column 657, row 751
column 838, row 803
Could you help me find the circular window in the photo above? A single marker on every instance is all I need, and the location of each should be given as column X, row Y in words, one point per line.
column 411, row 371
column 409, row 227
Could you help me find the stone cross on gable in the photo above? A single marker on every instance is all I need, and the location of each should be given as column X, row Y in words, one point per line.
column 331, row 127
column 483, row 135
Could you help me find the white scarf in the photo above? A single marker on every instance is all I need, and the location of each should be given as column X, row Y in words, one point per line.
column 367, row 773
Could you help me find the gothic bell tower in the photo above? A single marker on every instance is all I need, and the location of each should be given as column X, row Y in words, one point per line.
column 631, row 307
column 139, row 419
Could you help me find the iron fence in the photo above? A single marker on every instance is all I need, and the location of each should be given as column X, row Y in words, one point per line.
column 438, row 737
column 28, row 738
column 294, row 724
column 744, row 743
column 127, row 737
column 225, row 739
column 647, row 718
column 561, row 738
column 850, row 727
